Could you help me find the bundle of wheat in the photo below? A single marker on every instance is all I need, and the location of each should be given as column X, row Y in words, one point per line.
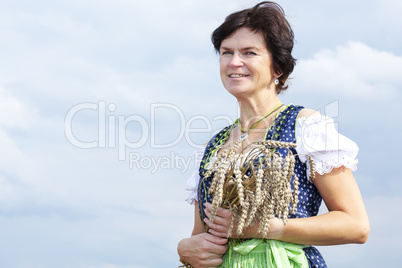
column 257, row 185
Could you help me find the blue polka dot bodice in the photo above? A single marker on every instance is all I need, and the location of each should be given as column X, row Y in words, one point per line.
column 283, row 129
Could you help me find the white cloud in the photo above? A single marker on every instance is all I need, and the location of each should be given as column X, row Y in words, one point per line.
column 354, row 69
column 14, row 113
column 11, row 155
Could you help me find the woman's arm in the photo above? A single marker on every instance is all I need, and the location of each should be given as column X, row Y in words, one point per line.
column 201, row 249
column 346, row 220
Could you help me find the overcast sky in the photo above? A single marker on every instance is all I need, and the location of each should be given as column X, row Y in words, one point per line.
column 103, row 103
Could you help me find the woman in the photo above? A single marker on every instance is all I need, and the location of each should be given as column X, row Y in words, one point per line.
column 255, row 48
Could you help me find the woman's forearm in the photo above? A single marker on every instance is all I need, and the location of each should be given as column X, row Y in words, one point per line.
column 346, row 222
column 332, row 228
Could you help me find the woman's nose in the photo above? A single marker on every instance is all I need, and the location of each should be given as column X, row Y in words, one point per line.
column 236, row 60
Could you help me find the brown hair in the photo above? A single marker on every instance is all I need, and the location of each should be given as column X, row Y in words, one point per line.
column 267, row 18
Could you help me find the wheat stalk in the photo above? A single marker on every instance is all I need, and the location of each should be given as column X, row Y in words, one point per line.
column 256, row 186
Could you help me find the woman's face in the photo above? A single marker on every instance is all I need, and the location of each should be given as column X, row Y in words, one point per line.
column 245, row 64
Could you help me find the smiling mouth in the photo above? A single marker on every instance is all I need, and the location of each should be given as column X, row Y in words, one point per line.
column 237, row 75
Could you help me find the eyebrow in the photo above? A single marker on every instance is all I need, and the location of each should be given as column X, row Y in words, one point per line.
column 242, row 49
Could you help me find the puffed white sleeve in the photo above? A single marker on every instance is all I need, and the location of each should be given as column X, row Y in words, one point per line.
column 192, row 182
column 316, row 135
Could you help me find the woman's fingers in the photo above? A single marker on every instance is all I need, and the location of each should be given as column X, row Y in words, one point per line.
column 223, row 216
column 221, row 222
column 204, row 250
column 220, row 230
column 221, row 212
column 216, row 240
column 218, row 234
column 218, row 223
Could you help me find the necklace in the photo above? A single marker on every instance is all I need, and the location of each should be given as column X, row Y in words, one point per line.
column 245, row 131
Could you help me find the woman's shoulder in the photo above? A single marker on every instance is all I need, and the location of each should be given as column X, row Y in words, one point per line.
column 299, row 114
column 313, row 123
column 307, row 112
column 307, row 117
column 318, row 137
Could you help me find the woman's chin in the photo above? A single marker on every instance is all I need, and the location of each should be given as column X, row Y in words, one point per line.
column 238, row 91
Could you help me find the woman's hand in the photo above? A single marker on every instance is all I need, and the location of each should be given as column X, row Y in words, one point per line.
column 202, row 250
column 220, row 226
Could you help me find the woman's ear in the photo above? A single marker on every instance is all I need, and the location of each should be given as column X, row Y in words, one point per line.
column 278, row 75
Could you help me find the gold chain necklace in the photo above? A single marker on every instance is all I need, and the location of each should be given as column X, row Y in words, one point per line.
column 245, row 131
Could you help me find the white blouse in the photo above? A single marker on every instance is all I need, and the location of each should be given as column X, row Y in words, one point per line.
column 316, row 136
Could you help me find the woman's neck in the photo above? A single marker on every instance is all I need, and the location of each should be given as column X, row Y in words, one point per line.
column 253, row 109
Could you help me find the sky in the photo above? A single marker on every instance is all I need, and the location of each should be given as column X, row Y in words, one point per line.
column 103, row 104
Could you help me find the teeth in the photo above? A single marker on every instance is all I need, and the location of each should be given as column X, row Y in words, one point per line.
column 237, row 75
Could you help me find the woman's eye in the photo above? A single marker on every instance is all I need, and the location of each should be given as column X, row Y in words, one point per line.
column 250, row 53
column 226, row 53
